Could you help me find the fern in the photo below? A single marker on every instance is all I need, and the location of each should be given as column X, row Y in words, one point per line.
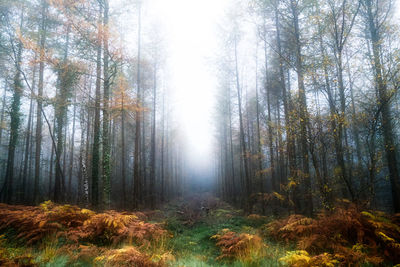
column 113, row 227
column 235, row 246
column 350, row 235
column 301, row 258
column 126, row 256
column 33, row 224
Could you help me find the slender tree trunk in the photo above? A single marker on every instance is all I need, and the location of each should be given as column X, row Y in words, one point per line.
column 81, row 156
column 260, row 174
column 136, row 173
column 304, row 119
column 96, row 129
column 269, row 122
column 15, row 122
column 224, row 162
column 38, row 149
column 143, row 159
column 3, row 108
column 231, row 145
column 106, row 164
column 61, row 110
column 86, row 167
column 281, row 156
column 50, row 195
column 247, row 185
column 355, row 129
column 162, row 195
column 28, row 137
column 384, row 100
column 71, row 153
column 123, row 151
column 153, row 144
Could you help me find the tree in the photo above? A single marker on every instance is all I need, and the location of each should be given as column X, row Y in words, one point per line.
column 137, row 186
column 15, row 122
column 96, row 126
column 376, row 17
column 106, row 121
column 38, row 145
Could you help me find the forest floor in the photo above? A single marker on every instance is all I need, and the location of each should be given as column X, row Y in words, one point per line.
column 195, row 231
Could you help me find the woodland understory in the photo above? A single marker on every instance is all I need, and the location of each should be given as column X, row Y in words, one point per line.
column 199, row 230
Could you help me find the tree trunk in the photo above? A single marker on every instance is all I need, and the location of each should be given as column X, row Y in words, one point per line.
column 269, row 122
column 304, row 119
column 15, row 121
column 38, row 149
column 386, row 116
column 71, row 153
column 106, row 164
column 61, row 110
column 96, row 129
column 3, row 108
column 291, row 149
column 153, row 145
column 244, row 156
column 28, row 137
column 136, row 173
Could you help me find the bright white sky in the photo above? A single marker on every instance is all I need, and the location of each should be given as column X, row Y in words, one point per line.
column 191, row 30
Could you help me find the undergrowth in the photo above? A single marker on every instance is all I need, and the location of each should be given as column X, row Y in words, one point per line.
column 66, row 235
column 347, row 236
column 196, row 231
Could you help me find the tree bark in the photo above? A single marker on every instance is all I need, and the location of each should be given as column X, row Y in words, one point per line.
column 96, row 129
column 38, row 148
column 15, row 121
column 106, row 164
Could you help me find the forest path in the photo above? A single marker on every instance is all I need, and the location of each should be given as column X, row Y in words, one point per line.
column 194, row 219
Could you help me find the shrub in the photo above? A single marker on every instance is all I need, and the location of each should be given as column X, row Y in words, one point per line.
column 126, row 256
column 351, row 236
column 113, row 227
column 34, row 223
column 243, row 247
column 301, row 258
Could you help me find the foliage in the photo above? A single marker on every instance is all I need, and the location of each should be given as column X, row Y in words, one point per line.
column 301, row 258
column 243, row 247
column 33, row 224
column 351, row 236
column 113, row 227
column 14, row 256
column 86, row 238
column 126, row 256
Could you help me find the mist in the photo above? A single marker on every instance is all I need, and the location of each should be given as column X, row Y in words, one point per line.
column 199, row 133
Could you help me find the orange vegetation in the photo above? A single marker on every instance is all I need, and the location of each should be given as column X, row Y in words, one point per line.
column 242, row 247
column 130, row 256
column 346, row 235
column 32, row 224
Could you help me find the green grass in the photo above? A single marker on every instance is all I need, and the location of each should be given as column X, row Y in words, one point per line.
column 193, row 247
